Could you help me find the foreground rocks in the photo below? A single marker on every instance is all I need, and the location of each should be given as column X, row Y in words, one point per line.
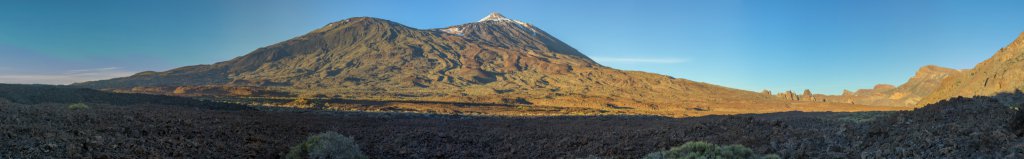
column 960, row 128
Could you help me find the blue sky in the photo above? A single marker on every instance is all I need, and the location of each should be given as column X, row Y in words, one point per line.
column 822, row 45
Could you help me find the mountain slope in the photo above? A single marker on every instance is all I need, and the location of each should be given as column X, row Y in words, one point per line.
column 924, row 82
column 1001, row 73
column 495, row 60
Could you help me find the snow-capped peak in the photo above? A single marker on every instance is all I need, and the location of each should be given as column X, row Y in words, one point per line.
column 494, row 16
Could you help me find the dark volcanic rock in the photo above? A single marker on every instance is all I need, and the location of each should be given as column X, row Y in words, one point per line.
column 45, row 128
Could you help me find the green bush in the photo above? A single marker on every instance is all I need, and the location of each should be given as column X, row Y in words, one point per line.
column 704, row 150
column 326, row 145
column 735, row 151
column 77, row 106
column 771, row 156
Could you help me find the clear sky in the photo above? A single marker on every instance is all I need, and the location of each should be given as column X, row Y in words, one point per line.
column 822, row 45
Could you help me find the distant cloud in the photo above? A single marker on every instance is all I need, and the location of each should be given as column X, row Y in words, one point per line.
column 68, row 77
column 93, row 70
column 639, row 60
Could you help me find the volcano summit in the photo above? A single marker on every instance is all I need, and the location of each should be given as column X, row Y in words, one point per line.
column 495, row 60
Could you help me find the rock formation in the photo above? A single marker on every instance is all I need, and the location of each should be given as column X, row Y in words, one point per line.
column 807, row 96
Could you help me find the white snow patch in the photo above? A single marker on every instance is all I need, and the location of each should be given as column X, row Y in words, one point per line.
column 453, row 30
column 495, row 16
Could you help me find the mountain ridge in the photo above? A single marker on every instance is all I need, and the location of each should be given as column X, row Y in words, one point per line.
column 998, row 76
column 1001, row 73
column 925, row 81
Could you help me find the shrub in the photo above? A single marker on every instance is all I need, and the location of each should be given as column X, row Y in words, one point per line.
column 704, row 150
column 735, row 151
column 1017, row 122
column 326, row 145
column 771, row 156
column 77, row 106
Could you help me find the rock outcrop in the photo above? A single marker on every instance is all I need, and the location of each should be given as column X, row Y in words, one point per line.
column 807, row 96
column 788, row 95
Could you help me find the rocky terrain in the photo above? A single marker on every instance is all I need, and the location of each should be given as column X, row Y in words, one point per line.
column 494, row 61
column 37, row 125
